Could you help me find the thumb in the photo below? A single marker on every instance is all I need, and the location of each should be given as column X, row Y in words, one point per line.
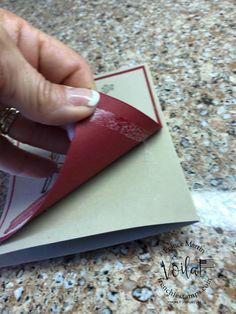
column 23, row 87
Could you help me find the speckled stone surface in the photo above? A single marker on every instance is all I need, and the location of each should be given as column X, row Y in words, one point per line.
column 190, row 47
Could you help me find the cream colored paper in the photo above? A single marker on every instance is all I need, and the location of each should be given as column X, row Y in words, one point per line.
column 145, row 187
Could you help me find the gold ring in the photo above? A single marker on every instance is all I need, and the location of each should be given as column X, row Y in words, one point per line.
column 7, row 117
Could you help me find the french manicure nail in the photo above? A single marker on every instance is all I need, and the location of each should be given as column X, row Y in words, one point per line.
column 82, row 96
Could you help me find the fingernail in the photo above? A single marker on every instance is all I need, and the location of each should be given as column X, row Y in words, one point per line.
column 82, row 96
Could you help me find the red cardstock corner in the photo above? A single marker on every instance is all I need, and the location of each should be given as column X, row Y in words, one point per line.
column 114, row 129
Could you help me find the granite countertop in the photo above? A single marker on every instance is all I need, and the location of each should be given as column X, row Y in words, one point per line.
column 190, row 47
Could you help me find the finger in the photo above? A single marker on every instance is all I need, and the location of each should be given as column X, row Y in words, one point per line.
column 38, row 99
column 18, row 162
column 50, row 138
column 55, row 61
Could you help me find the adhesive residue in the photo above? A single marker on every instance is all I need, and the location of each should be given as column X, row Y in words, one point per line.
column 115, row 123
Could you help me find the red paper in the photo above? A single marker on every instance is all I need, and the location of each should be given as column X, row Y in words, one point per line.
column 113, row 130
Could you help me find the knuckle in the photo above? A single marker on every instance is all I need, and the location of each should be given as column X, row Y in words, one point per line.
column 43, row 99
column 46, row 99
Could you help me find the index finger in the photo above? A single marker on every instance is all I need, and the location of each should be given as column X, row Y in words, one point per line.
column 54, row 60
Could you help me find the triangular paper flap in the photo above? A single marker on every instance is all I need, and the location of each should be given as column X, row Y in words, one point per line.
column 114, row 129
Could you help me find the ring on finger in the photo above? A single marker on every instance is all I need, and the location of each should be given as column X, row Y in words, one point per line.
column 7, row 117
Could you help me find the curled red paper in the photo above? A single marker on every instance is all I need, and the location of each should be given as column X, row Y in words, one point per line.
column 113, row 130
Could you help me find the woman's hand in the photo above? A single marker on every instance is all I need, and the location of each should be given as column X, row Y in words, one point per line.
column 49, row 84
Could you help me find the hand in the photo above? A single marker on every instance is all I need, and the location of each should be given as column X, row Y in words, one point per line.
column 49, row 84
